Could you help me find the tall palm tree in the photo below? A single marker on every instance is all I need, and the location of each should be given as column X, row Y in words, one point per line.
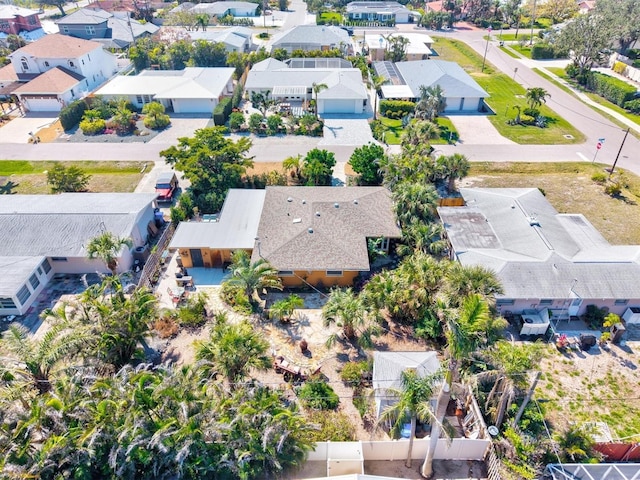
column 233, row 349
column 452, row 168
column 345, row 308
column 431, row 103
column 375, row 82
column 420, row 132
column 414, row 202
column 536, row 96
column 422, row 237
column 107, row 247
column 317, row 88
column 413, row 401
column 464, row 334
column 464, row 280
column 252, row 276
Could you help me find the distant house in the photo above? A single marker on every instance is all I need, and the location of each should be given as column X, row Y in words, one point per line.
column 461, row 92
column 387, row 373
column 310, row 38
column 114, row 30
column 381, row 11
column 234, row 39
column 42, row 235
column 417, row 48
column 220, row 9
column 56, row 70
column 293, row 80
column 14, row 20
column 544, row 259
column 192, row 90
column 312, row 235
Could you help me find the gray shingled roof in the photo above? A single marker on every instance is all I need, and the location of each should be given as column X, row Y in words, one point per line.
column 311, row 34
column 536, row 252
column 302, row 229
column 85, row 16
column 15, row 270
column 453, row 80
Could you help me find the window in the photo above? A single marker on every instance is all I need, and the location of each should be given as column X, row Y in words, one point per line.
column 58, row 259
column 90, row 29
column 65, row 29
column 138, row 98
column 7, row 303
column 25, row 64
column 546, row 301
column 24, row 294
column 334, row 273
column 285, row 273
column 46, row 64
column 384, row 245
column 46, row 266
column 147, row 99
column 39, row 270
column 504, row 301
column 622, row 301
column 4, row 25
column 33, row 280
column 72, row 64
column 31, row 20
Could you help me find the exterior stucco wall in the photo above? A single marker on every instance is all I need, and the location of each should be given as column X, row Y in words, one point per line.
column 318, row 279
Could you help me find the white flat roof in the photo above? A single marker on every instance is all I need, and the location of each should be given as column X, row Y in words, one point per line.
column 396, row 91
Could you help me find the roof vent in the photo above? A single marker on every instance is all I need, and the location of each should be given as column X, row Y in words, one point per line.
column 289, row 199
column 310, row 230
column 304, row 202
column 317, row 214
column 297, row 220
column 533, row 221
column 355, row 201
column 337, row 205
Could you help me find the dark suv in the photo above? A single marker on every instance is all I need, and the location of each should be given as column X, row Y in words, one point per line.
column 166, row 186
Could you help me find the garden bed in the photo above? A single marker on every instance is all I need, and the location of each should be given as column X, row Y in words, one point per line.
column 76, row 135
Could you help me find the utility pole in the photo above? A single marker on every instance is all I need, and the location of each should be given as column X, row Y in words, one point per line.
column 484, row 59
column 533, row 19
column 618, row 155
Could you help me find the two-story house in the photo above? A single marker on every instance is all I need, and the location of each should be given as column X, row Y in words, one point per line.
column 58, row 69
column 14, row 20
column 115, row 30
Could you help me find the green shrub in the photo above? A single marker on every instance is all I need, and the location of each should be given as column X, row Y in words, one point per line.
column 318, row 395
column 594, row 316
column 619, row 67
column 263, row 35
column 334, row 427
column 613, row 89
column 532, row 112
column 93, row 127
column 236, row 119
column 362, row 401
column 633, row 106
column 71, row 115
column 255, row 122
column 527, row 119
column 157, row 122
column 633, row 53
column 194, row 313
column 636, row 64
column 541, row 51
column 399, row 107
column 274, row 124
column 222, row 111
column 356, row 374
column 599, row 177
column 613, row 188
column 236, row 298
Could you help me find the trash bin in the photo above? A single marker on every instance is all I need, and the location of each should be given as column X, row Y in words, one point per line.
column 617, row 332
column 587, row 341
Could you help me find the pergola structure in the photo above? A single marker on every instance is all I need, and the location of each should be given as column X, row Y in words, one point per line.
column 586, row 471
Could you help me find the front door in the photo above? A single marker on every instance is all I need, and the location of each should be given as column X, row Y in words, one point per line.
column 196, row 258
column 574, row 308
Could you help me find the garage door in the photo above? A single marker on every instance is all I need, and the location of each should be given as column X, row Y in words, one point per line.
column 338, row 106
column 42, row 104
column 187, row 105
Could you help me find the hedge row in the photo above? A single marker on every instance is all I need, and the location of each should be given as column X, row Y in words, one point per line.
column 611, row 88
column 399, row 107
column 222, row 111
column 71, row 115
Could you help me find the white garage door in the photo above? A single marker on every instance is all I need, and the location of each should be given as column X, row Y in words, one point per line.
column 192, row 105
column 339, row 106
column 42, row 104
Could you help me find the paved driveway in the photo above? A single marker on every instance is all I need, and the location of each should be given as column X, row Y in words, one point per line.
column 181, row 127
column 477, row 130
column 17, row 130
column 346, row 131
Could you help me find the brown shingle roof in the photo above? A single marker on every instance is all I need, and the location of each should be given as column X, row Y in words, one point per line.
column 58, row 46
column 8, row 73
column 56, row 80
column 338, row 237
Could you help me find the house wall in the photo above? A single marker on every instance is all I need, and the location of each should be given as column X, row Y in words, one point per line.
column 559, row 307
column 14, row 25
column 413, row 57
column 211, row 258
column 43, row 277
column 243, row 12
column 377, row 54
column 84, row 31
column 319, row 279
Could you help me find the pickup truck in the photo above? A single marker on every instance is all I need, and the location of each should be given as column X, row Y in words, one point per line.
column 166, row 186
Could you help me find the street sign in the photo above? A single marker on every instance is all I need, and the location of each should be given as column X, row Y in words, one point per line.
column 599, row 145
column 601, row 140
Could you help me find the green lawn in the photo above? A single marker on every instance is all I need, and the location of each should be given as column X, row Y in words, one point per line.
column 524, row 51
column 504, row 93
column 19, row 176
column 329, row 17
column 394, row 130
column 509, row 52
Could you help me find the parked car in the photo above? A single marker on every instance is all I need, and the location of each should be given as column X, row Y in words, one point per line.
column 349, row 30
column 166, row 186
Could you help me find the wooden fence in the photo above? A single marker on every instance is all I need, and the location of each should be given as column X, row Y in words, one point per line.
column 619, row 451
column 152, row 265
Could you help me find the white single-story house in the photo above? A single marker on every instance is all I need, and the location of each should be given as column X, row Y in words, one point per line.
column 543, row 258
column 387, row 373
column 220, row 9
column 462, row 93
column 417, row 48
column 381, row 11
column 192, row 90
column 310, row 38
column 235, row 39
column 41, row 235
column 345, row 92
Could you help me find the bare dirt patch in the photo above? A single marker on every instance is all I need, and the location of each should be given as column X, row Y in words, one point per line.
column 50, row 133
column 264, row 167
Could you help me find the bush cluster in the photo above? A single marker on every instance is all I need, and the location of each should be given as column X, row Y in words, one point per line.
column 613, row 89
column 93, row 126
column 222, row 111
column 541, row 51
column 236, row 298
column 318, row 395
column 396, row 108
column 72, row 114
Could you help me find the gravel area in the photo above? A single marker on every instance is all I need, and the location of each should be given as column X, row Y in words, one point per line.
column 76, row 135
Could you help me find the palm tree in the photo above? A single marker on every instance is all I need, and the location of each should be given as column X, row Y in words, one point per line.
column 252, row 276
column 107, row 248
column 202, row 20
column 422, row 237
column 317, row 88
column 413, row 401
column 452, row 167
column 283, row 309
column 463, row 335
column 234, row 349
column 420, row 132
column 262, row 101
column 294, row 165
column 375, row 82
column 346, row 309
column 415, row 202
column 462, row 281
column 536, row 96
column 432, row 103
